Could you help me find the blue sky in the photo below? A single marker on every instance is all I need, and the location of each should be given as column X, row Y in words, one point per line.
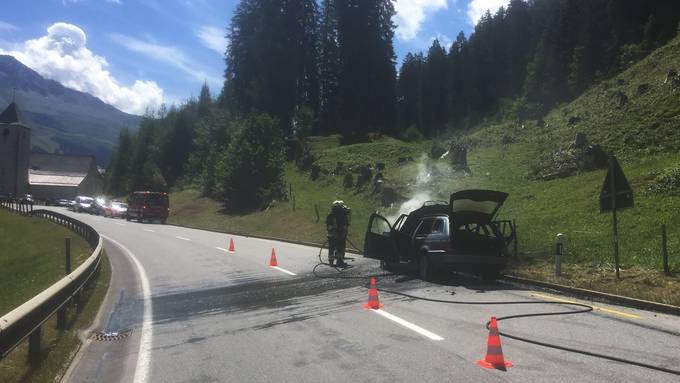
column 139, row 53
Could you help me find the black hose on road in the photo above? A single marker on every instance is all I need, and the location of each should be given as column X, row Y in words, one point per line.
column 583, row 308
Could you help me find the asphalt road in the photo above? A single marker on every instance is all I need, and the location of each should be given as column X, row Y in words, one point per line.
column 200, row 314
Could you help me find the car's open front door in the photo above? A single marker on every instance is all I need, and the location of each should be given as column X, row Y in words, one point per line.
column 379, row 241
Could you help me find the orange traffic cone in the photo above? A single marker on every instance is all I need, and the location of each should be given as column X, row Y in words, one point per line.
column 272, row 260
column 494, row 352
column 231, row 245
column 373, row 301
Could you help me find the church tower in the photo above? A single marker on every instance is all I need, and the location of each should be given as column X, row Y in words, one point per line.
column 15, row 150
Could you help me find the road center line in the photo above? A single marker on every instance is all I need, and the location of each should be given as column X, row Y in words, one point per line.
column 145, row 342
column 615, row 312
column 283, row 270
column 225, row 250
column 408, row 325
column 149, row 230
column 119, row 224
column 182, row 238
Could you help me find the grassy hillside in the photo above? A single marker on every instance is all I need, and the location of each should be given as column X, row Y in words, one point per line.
column 643, row 132
column 32, row 257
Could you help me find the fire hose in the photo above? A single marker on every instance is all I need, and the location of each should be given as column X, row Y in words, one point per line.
column 582, row 309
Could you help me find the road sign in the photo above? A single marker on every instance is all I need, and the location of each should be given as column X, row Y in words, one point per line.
column 618, row 186
column 616, row 194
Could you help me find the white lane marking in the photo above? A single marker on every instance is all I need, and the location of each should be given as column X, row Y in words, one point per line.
column 182, row 238
column 119, row 224
column 283, row 270
column 144, row 354
column 408, row 325
column 225, row 250
column 149, row 230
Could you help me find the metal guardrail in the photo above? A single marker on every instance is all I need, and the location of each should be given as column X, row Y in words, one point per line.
column 25, row 321
column 17, row 205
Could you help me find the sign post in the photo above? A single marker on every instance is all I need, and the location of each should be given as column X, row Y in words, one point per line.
column 616, row 194
column 612, row 183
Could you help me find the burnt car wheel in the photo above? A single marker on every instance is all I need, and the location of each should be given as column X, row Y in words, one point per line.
column 385, row 265
column 424, row 267
column 490, row 275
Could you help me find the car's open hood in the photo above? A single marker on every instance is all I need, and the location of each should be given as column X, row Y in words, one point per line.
column 476, row 205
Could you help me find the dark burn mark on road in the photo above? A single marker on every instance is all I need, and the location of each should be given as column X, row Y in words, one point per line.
column 264, row 294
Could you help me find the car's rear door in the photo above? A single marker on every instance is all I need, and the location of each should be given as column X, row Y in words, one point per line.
column 379, row 240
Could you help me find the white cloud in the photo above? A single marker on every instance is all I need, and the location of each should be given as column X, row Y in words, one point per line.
column 477, row 8
column 213, row 38
column 7, row 26
column 62, row 55
column 412, row 13
column 166, row 54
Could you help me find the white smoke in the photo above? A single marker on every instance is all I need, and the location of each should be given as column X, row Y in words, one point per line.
column 422, row 188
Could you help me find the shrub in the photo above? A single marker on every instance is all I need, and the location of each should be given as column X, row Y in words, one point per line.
column 412, row 134
column 251, row 169
column 437, row 150
column 668, row 181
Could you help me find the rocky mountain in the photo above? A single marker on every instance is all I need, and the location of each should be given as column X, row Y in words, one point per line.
column 62, row 120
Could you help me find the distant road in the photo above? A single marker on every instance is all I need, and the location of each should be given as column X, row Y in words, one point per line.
column 200, row 314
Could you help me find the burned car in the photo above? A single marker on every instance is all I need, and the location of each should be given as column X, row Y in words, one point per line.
column 460, row 235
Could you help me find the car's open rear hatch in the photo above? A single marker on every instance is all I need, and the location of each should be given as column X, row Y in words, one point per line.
column 475, row 205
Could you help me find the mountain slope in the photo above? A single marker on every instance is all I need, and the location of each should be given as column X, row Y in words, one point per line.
column 642, row 131
column 62, row 119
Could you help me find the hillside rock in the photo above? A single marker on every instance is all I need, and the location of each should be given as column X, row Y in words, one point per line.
column 672, row 79
column 577, row 157
column 642, row 89
column 620, row 99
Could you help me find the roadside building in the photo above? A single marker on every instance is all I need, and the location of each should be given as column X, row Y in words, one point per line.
column 46, row 176
column 15, row 148
column 55, row 176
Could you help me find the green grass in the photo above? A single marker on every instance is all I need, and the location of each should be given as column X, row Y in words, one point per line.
column 58, row 347
column 643, row 134
column 32, row 257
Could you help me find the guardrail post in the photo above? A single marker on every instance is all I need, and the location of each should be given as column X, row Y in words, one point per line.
column 664, row 250
column 34, row 346
column 67, row 243
column 61, row 313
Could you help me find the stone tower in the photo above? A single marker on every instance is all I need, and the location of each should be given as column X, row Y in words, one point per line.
column 15, row 150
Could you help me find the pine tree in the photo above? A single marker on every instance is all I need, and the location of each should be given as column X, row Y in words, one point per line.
column 118, row 176
column 271, row 60
column 435, row 93
column 410, row 92
column 367, row 83
column 204, row 101
column 329, row 68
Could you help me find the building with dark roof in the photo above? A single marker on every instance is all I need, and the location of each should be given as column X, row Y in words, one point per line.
column 15, row 148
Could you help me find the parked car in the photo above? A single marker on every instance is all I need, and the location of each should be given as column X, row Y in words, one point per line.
column 98, row 205
column 82, row 204
column 146, row 205
column 116, row 209
column 26, row 198
column 63, row 202
column 457, row 236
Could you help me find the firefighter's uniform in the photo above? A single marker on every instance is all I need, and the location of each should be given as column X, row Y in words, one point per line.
column 337, row 225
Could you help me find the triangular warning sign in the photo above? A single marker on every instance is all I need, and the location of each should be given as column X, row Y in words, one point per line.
column 623, row 191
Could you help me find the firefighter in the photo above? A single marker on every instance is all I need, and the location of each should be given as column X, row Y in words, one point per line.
column 337, row 224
